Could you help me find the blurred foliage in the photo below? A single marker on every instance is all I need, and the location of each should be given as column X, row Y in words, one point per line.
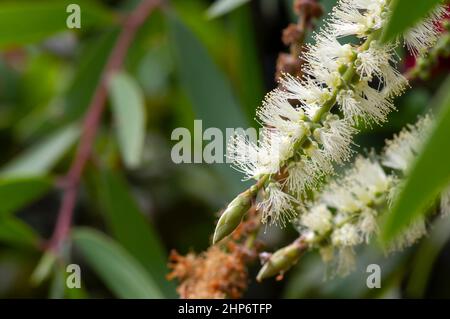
column 134, row 203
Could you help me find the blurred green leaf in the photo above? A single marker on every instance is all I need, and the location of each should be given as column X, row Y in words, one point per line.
column 429, row 174
column 154, row 70
column 119, row 271
column 16, row 232
column 9, row 90
column 45, row 70
column 38, row 110
column 59, row 289
column 58, row 284
column 131, row 229
column 251, row 84
column 424, row 260
column 15, row 193
column 40, row 158
column 88, row 71
column 129, row 114
column 221, row 7
column 192, row 16
column 209, row 91
column 23, row 22
column 44, row 268
column 404, row 16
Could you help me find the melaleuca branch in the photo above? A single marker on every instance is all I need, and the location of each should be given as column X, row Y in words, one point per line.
column 301, row 138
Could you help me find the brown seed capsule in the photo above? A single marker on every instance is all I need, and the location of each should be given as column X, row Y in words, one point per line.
column 286, row 63
column 292, row 34
column 308, row 7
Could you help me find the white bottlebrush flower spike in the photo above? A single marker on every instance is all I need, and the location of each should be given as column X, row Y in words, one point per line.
column 345, row 213
column 301, row 139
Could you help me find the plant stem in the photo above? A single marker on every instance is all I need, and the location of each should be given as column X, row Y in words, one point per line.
column 92, row 120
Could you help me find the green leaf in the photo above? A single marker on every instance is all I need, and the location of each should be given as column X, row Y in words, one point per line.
column 424, row 260
column 15, row 193
column 57, row 283
column 119, row 271
column 39, row 159
column 23, row 22
column 221, row 7
column 192, row 15
column 429, row 174
column 132, row 229
column 406, row 15
column 129, row 114
column 16, row 232
column 44, row 268
column 251, row 84
column 156, row 81
column 58, row 286
column 88, row 72
column 209, row 91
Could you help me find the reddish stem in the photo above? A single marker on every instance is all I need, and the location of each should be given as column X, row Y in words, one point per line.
column 92, row 120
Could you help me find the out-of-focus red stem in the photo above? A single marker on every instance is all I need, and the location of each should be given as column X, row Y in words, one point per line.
column 92, row 120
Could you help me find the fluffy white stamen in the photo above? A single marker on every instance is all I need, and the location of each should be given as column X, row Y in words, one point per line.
column 278, row 207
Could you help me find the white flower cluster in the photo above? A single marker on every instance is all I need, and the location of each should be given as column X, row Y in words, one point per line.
column 300, row 138
column 345, row 214
column 400, row 151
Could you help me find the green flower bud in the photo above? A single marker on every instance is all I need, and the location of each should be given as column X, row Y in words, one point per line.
column 232, row 216
column 282, row 260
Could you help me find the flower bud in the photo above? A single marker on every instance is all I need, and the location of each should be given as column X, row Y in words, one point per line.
column 282, row 260
column 232, row 216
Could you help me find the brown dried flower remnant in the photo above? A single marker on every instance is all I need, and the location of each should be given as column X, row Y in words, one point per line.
column 212, row 274
column 221, row 271
column 294, row 36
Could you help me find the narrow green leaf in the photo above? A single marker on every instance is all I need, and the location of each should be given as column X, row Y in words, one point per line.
column 58, row 286
column 23, row 22
column 119, row 271
column 221, row 7
column 16, row 232
column 429, row 174
column 132, row 229
column 251, row 84
column 44, row 268
column 209, row 91
column 15, row 193
column 57, row 283
column 425, row 258
column 91, row 63
column 405, row 15
column 39, row 159
column 129, row 114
